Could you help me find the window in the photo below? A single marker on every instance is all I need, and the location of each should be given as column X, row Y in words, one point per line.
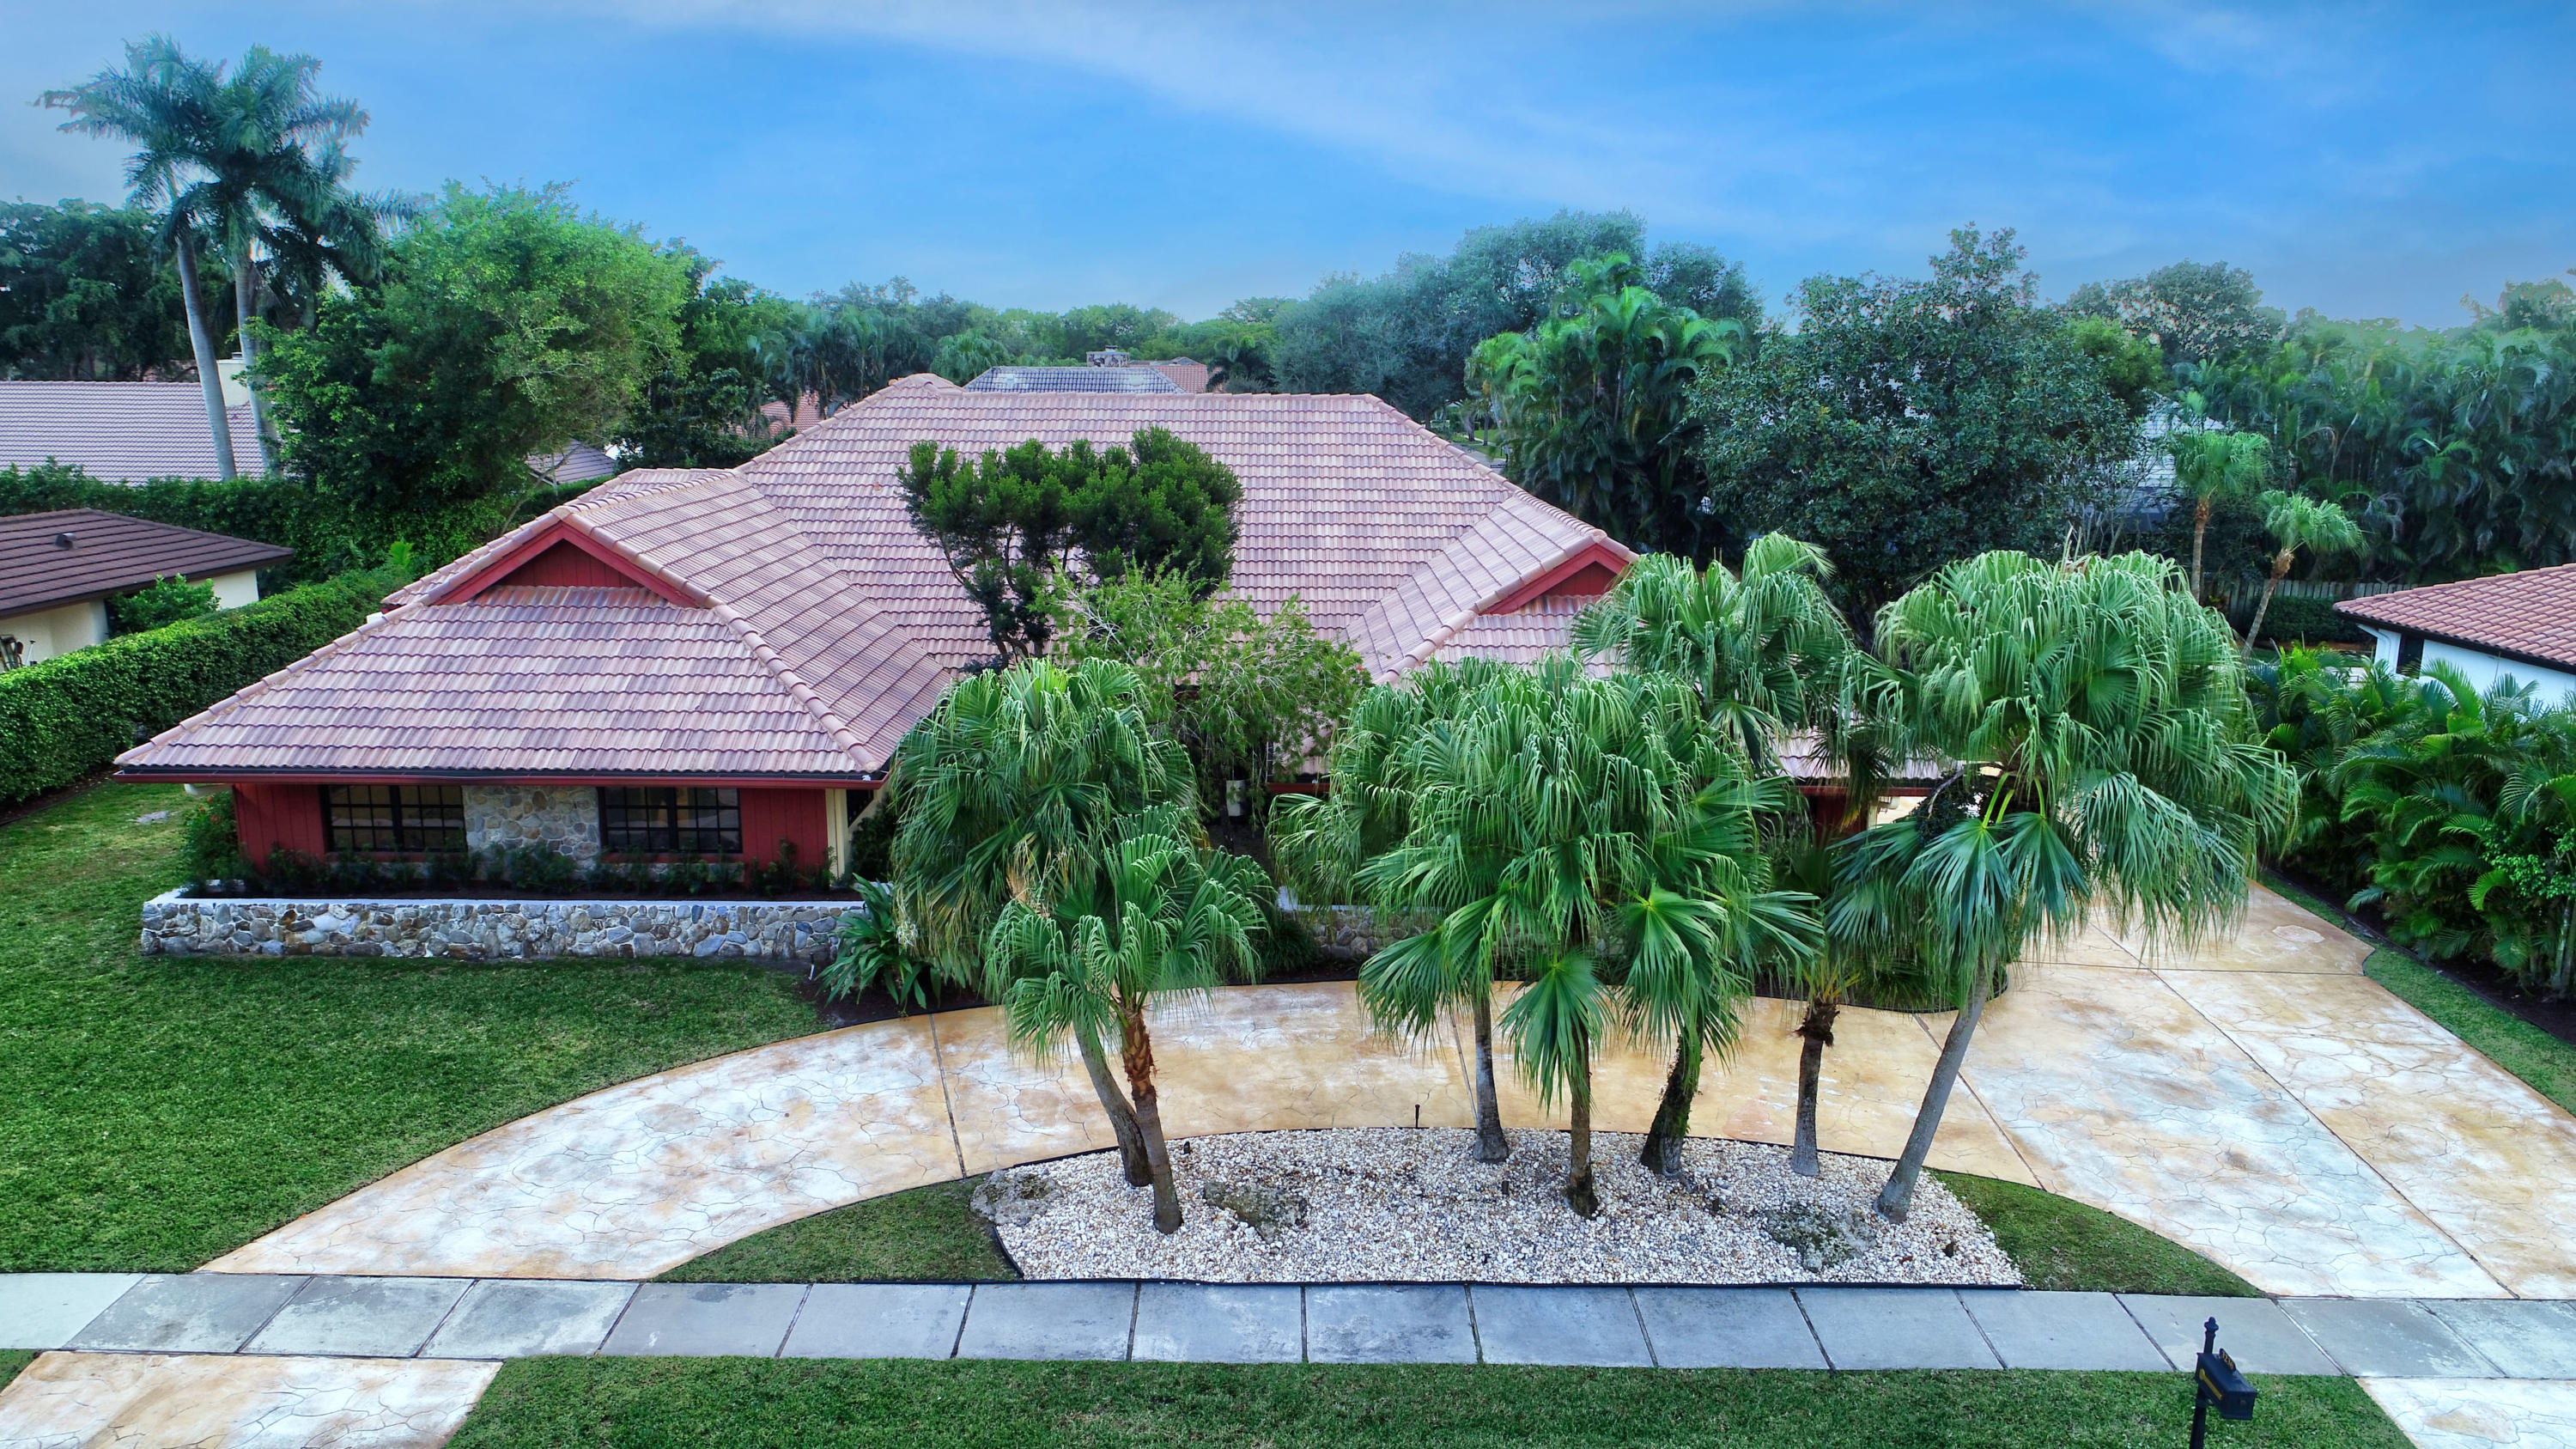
column 395, row 819
column 667, row 820
column 2410, row 653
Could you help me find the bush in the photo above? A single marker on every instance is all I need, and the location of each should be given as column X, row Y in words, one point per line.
column 65, row 717
column 2300, row 621
column 163, row 601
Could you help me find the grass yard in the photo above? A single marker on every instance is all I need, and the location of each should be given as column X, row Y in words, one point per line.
column 157, row 1112
column 12, row 1360
column 2061, row 1244
column 923, row 1235
column 741, row 1403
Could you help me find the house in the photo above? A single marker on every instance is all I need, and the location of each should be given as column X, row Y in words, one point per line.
column 58, row 570
column 2520, row 626
column 1186, row 374
column 1097, row 377
column 684, row 662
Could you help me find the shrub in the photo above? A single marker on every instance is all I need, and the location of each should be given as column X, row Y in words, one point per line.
column 163, row 601
column 213, row 848
column 2302, row 621
column 68, row 716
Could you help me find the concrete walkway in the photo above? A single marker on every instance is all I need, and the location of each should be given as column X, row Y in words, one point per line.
column 379, row 1361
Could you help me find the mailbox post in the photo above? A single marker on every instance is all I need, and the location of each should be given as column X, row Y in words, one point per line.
column 2215, row 1380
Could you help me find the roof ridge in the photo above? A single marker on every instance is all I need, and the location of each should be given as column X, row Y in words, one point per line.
column 798, row 689
column 2460, row 583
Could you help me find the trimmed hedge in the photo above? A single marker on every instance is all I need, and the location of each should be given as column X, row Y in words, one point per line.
column 67, row 716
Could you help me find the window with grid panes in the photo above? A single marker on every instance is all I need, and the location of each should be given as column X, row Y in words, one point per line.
column 670, row 820
column 394, row 819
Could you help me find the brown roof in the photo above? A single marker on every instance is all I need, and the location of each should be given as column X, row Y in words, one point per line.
column 2529, row 616
column 109, row 553
column 1185, row 374
column 846, row 624
column 122, row 432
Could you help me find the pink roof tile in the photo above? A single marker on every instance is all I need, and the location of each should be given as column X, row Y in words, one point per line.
column 2529, row 615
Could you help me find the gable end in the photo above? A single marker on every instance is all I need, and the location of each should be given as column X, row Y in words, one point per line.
column 562, row 555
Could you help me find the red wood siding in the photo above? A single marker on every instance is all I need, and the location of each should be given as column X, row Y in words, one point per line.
column 769, row 816
column 268, row 816
column 1594, row 580
column 565, row 566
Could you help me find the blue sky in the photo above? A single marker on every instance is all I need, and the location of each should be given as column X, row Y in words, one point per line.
column 2365, row 160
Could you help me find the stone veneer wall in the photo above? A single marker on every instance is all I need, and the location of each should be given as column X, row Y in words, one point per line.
column 786, row 932
column 565, row 817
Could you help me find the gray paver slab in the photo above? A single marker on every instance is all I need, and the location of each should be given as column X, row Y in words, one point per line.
column 2061, row 1330
column 878, row 1320
column 360, row 1317
column 1389, row 1323
column 2385, row 1338
column 1728, row 1328
column 1048, row 1320
column 2254, row 1331
column 44, row 1310
column 2526, row 1338
column 1594, row 1327
column 1895, row 1328
column 706, row 1319
column 516, row 1318
column 1220, row 1323
column 188, row 1313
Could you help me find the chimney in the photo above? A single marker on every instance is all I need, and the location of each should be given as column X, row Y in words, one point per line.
column 228, row 371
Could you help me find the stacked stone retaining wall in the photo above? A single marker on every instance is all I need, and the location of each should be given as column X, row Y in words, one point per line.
column 782, row 932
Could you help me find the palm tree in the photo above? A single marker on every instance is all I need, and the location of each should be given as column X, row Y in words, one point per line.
column 2105, row 762
column 2211, row 464
column 1013, row 789
column 2297, row 521
column 1827, row 978
column 1158, row 918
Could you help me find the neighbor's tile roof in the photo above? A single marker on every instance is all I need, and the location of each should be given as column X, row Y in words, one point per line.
column 122, row 432
column 108, row 554
column 1130, row 378
column 1186, row 374
column 2531, row 615
column 1389, row 535
column 578, row 463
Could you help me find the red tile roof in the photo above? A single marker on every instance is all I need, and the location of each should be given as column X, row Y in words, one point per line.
column 108, row 554
column 844, row 625
column 122, row 432
column 2529, row 616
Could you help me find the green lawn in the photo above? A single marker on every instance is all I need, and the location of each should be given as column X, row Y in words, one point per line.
column 156, row 1112
column 740, row 1403
column 12, row 1360
column 2062, row 1244
column 924, row 1235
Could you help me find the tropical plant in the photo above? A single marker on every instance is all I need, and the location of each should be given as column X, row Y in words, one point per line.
column 871, row 952
column 2297, row 522
column 1157, row 918
column 1014, row 788
column 1827, row 979
column 2212, row 464
column 88, row 294
column 2105, row 765
column 163, row 601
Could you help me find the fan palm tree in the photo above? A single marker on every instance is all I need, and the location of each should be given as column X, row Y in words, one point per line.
column 1013, row 789
column 2297, row 521
column 2106, row 763
column 1827, row 979
column 2211, row 464
column 1158, row 918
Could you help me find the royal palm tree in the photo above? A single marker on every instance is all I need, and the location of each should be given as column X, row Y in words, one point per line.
column 2211, row 464
column 1013, row 789
column 2297, row 521
column 2105, row 766
column 1158, row 918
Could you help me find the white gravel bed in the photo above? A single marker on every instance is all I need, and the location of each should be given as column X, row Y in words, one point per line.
column 1399, row 1204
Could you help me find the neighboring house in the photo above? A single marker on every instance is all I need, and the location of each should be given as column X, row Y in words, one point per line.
column 682, row 662
column 58, row 570
column 2521, row 626
column 1186, row 374
column 126, row 432
column 1098, row 377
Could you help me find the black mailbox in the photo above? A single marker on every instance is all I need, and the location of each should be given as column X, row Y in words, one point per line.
column 2225, row 1387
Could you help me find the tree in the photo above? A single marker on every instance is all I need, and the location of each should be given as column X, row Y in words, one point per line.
column 506, row 325
column 87, row 294
column 2297, row 521
column 701, row 408
column 965, row 356
column 1591, row 407
column 2212, row 465
column 1017, row 785
column 1012, row 525
column 2105, row 762
column 1907, row 423
column 2194, row 312
column 1158, row 918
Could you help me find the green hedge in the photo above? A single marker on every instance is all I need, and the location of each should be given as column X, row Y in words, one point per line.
column 67, row 716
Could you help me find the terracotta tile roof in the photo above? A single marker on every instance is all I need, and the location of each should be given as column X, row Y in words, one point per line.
column 1073, row 379
column 2529, row 615
column 1186, row 374
column 109, row 554
column 847, row 623
column 122, row 432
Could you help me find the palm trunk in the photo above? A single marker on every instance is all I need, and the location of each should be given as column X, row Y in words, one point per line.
column 201, row 341
column 1898, row 1196
column 245, row 308
column 1138, row 1056
column 2565, row 984
column 1113, row 1103
column 1818, row 1029
column 2254, row 631
column 1579, row 1193
column 1663, row 1151
column 1491, row 1144
column 2199, row 531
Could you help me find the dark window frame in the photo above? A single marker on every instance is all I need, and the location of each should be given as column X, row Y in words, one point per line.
column 677, row 821
column 395, row 820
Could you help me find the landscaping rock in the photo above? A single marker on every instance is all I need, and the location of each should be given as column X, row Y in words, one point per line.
column 1822, row 1238
column 1012, row 1199
column 1268, row 1211
column 802, row 932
